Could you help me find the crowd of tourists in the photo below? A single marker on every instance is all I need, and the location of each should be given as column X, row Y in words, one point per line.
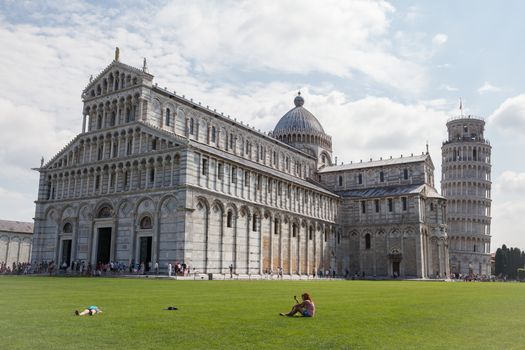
column 81, row 268
column 475, row 278
column 17, row 268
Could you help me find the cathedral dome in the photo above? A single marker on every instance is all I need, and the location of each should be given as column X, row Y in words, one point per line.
column 298, row 119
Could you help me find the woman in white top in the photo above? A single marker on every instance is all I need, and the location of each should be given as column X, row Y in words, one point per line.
column 306, row 308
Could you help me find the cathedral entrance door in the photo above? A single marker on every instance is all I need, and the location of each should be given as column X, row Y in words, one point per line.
column 395, row 268
column 104, row 245
column 66, row 252
column 145, row 251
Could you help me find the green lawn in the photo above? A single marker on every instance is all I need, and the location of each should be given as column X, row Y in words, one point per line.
column 37, row 313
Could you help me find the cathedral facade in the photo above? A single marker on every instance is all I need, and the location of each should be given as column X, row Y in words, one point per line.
column 157, row 177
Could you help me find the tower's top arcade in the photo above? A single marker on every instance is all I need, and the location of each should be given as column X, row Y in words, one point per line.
column 466, row 128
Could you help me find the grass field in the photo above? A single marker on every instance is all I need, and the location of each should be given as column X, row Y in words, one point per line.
column 37, row 313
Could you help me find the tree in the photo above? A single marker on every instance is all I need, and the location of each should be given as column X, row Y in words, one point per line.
column 508, row 261
column 514, row 262
column 502, row 261
column 499, row 260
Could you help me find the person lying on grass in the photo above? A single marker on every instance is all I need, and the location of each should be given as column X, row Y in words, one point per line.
column 90, row 310
column 306, row 308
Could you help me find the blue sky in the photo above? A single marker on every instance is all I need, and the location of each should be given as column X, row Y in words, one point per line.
column 382, row 77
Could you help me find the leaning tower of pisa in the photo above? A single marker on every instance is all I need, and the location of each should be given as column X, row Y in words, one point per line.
column 466, row 183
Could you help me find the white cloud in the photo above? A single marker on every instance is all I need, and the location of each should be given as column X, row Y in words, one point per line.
column 510, row 182
column 27, row 134
column 449, row 88
column 510, row 116
column 487, row 87
column 14, row 205
column 336, row 38
column 439, row 39
column 508, row 224
column 413, row 13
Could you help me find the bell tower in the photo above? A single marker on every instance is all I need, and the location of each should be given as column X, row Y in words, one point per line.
column 466, row 183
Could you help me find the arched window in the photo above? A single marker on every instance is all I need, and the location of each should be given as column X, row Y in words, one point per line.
column 126, row 179
column 112, row 119
column 104, row 212
column 213, row 132
column 294, row 230
column 191, row 126
column 129, row 148
column 128, row 115
column 145, row 223
column 254, row 222
column 276, row 226
column 168, row 117
column 100, row 152
column 229, row 219
column 310, row 234
column 152, row 175
column 99, row 121
column 68, row 228
column 367, row 241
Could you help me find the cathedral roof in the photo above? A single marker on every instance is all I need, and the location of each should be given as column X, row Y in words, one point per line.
column 16, row 226
column 376, row 192
column 375, row 163
column 298, row 119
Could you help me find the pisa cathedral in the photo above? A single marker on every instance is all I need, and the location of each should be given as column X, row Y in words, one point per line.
column 155, row 176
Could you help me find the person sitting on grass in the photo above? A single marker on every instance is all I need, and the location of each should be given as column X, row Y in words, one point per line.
column 90, row 310
column 306, row 308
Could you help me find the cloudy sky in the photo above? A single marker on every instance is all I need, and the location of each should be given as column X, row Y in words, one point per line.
column 382, row 77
